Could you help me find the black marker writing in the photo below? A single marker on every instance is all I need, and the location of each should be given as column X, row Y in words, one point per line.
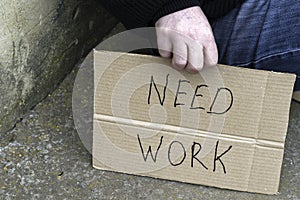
column 161, row 100
column 150, row 150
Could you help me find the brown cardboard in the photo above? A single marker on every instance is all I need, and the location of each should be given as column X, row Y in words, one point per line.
column 230, row 136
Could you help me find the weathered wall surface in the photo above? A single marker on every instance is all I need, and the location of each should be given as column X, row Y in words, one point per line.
column 40, row 42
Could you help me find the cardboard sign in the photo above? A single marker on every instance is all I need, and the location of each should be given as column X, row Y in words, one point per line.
column 224, row 127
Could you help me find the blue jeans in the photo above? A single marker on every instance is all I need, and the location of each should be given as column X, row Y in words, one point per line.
column 261, row 34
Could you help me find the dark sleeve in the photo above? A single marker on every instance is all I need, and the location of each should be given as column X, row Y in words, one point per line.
column 217, row 8
column 143, row 13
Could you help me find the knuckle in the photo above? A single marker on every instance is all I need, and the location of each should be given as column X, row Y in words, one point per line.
column 192, row 69
column 209, row 39
column 164, row 53
column 178, row 64
column 211, row 61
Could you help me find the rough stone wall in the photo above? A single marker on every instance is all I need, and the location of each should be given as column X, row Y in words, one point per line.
column 40, row 42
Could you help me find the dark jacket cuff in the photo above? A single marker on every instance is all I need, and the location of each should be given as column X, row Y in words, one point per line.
column 134, row 13
column 174, row 6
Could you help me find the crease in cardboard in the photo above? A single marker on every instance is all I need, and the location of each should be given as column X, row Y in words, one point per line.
column 188, row 131
column 262, row 106
column 257, row 133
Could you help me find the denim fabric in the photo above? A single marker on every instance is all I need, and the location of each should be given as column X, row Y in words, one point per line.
column 261, row 34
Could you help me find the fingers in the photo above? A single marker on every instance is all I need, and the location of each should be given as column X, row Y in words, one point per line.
column 195, row 58
column 165, row 54
column 187, row 53
column 210, row 53
column 177, row 49
column 178, row 35
column 180, row 53
column 191, row 57
column 164, row 45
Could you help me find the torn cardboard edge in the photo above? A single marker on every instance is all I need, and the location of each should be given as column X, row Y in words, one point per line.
column 122, row 144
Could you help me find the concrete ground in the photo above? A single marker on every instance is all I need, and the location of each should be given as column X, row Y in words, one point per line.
column 43, row 158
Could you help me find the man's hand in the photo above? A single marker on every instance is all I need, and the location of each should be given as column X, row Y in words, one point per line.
column 186, row 36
